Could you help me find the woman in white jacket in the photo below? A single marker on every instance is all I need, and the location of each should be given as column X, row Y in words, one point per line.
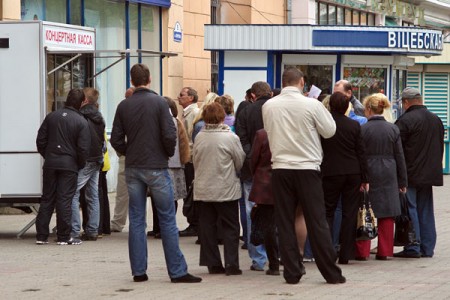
column 217, row 158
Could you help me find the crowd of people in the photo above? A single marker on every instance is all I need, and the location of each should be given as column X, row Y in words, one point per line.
column 298, row 164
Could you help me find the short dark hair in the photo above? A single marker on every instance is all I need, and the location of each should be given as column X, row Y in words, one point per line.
column 227, row 104
column 172, row 106
column 347, row 86
column 291, row 76
column 276, row 92
column 91, row 95
column 140, row 75
column 248, row 93
column 261, row 89
column 213, row 113
column 339, row 102
column 191, row 92
column 75, row 98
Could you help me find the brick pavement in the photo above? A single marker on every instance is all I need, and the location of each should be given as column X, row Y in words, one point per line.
column 100, row 270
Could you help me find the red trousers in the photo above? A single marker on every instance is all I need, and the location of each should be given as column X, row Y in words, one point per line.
column 385, row 240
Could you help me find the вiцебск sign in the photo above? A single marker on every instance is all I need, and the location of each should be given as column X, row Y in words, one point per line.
column 415, row 40
column 390, row 38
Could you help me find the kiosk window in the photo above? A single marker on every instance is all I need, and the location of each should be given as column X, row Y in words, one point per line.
column 320, row 76
column 366, row 80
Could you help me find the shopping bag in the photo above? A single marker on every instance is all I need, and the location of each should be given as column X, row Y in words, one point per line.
column 404, row 228
column 366, row 226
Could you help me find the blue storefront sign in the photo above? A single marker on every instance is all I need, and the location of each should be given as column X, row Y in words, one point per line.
column 389, row 38
column 163, row 3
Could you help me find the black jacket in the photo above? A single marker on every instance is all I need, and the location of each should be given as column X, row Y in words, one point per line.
column 64, row 139
column 422, row 136
column 248, row 122
column 97, row 129
column 143, row 130
column 344, row 153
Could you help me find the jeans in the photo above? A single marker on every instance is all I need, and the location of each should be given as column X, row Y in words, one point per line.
column 257, row 253
column 88, row 176
column 160, row 185
column 421, row 211
column 243, row 216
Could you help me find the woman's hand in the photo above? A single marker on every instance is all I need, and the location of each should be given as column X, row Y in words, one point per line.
column 364, row 186
column 403, row 190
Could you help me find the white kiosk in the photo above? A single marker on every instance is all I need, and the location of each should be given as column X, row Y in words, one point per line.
column 39, row 63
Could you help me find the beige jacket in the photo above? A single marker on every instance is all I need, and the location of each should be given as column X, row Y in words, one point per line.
column 294, row 124
column 217, row 157
column 189, row 114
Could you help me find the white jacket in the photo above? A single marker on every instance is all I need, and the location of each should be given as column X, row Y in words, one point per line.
column 294, row 124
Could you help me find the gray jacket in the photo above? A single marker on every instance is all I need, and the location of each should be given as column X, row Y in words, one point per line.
column 217, row 158
column 386, row 166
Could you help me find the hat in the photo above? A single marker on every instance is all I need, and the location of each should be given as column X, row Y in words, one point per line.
column 410, row 93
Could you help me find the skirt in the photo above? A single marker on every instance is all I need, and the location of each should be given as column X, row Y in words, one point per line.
column 178, row 183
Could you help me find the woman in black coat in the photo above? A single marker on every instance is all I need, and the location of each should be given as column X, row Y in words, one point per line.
column 387, row 173
column 344, row 170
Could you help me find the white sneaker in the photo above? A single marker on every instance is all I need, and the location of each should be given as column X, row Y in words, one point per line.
column 72, row 241
column 41, row 242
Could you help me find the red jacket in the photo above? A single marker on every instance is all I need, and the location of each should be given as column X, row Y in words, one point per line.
column 260, row 164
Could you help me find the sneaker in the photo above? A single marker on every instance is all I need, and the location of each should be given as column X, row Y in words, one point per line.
column 38, row 242
column 404, row 254
column 308, row 259
column 253, row 268
column 72, row 241
column 188, row 278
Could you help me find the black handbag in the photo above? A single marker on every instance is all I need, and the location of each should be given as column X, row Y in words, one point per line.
column 366, row 226
column 404, row 228
column 189, row 207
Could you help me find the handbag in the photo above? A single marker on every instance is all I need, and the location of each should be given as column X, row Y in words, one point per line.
column 258, row 226
column 404, row 228
column 366, row 226
column 189, row 207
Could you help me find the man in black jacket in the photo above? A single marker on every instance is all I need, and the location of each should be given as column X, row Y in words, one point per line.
column 63, row 140
column 88, row 176
column 422, row 134
column 143, row 131
column 247, row 123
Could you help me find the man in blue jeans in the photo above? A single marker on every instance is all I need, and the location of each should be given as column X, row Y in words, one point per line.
column 88, row 176
column 143, row 131
column 422, row 134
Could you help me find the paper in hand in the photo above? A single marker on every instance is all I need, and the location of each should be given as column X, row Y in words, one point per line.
column 314, row 92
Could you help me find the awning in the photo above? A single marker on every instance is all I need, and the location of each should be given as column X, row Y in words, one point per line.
column 119, row 54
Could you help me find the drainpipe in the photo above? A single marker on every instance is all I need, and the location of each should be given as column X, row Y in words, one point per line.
column 288, row 11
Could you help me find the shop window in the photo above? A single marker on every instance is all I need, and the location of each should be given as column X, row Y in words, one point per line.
column 366, row 80
column 32, row 10
column 348, row 17
column 323, row 14
column 371, row 19
column 134, row 33
column 363, row 19
column 318, row 75
column 331, row 15
column 108, row 18
column 356, row 20
column 340, row 15
column 150, row 41
column 75, row 12
column 55, row 11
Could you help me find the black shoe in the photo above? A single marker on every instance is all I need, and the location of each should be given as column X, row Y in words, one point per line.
column 197, row 242
column 273, row 272
column 151, row 233
column 404, row 254
column 337, row 281
column 140, row 278
column 361, row 258
column 86, row 237
column 158, row 235
column 244, row 247
column 253, row 268
column 233, row 270
column 380, row 257
column 292, row 280
column 188, row 278
column 190, row 231
column 216, row 270
column 343, row 261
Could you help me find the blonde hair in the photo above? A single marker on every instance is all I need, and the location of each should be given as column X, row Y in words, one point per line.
column 326, row 102
column 377, row 103
column 208, row 100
